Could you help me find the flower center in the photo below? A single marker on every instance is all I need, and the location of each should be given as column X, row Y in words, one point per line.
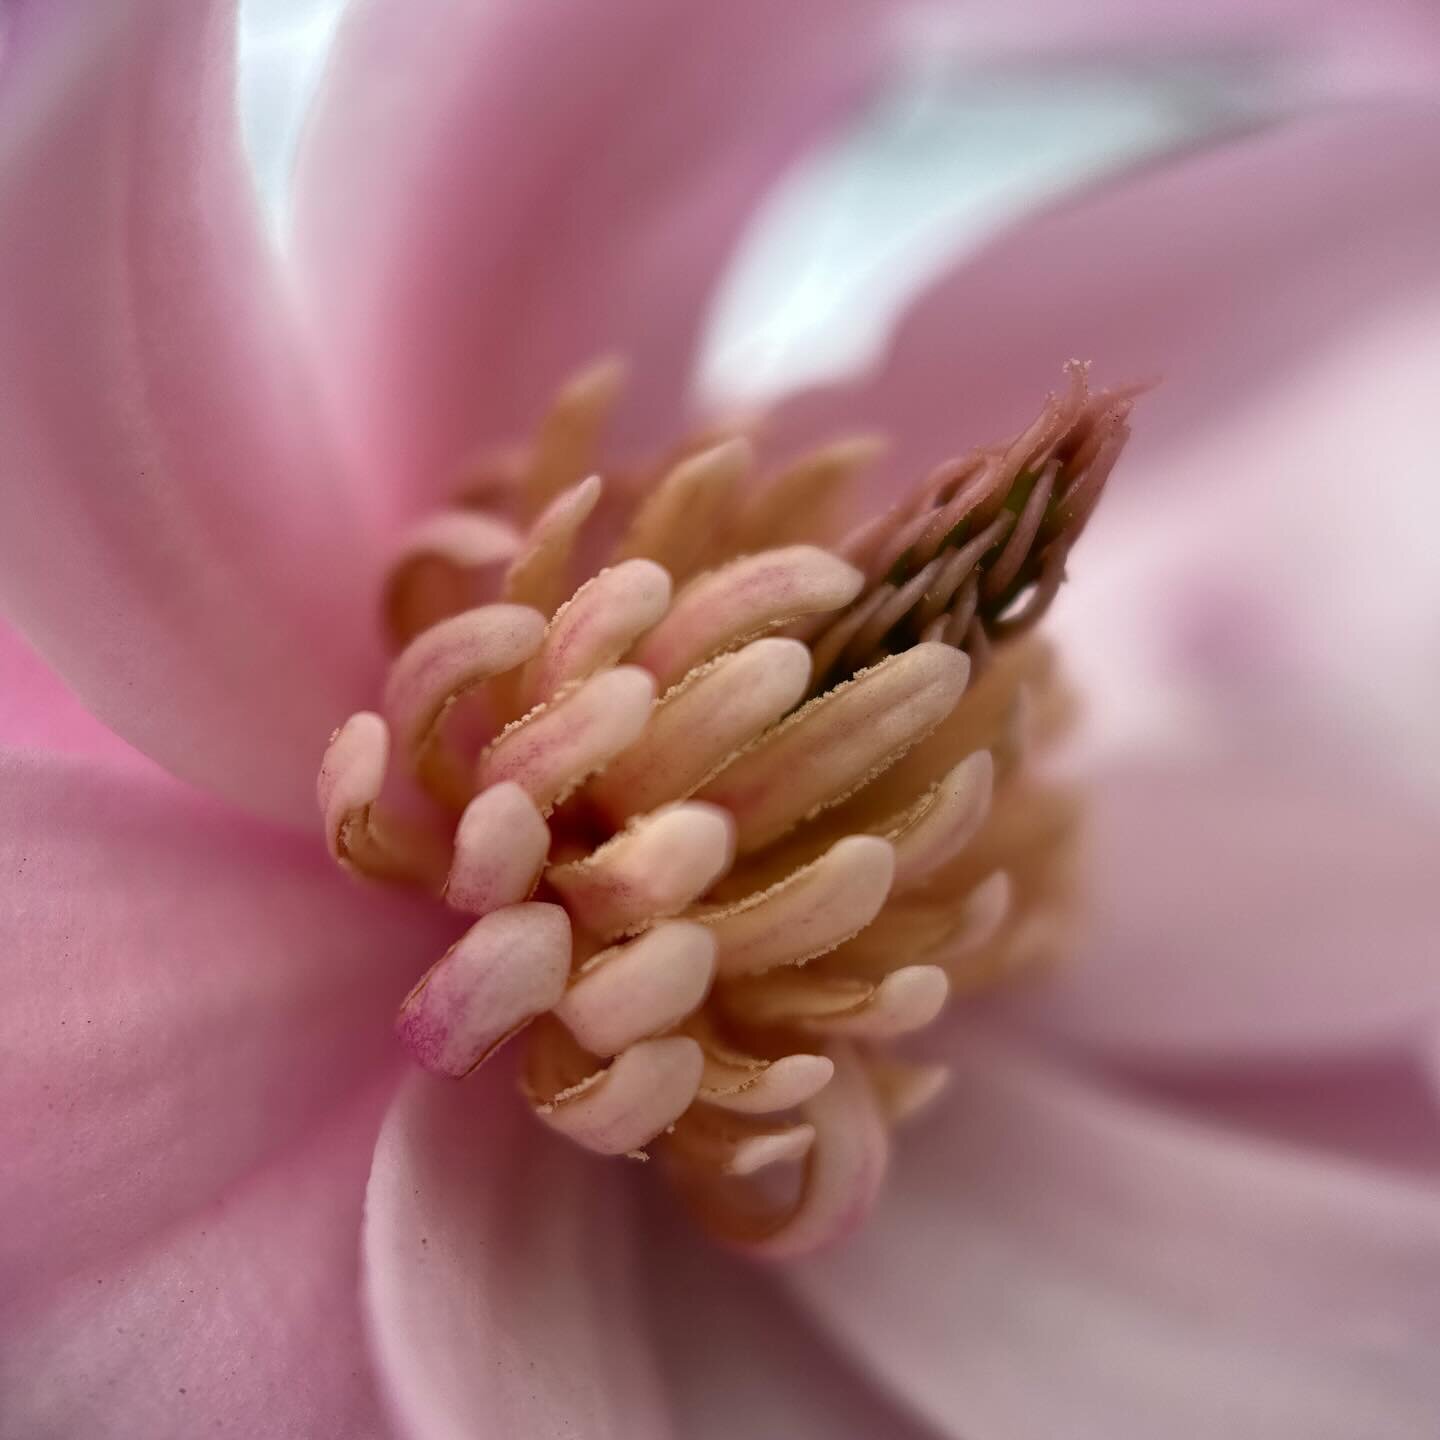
column 743, row 808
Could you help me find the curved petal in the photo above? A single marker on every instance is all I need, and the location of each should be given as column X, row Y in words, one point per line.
column 175, row 536
column 1377, row 1108
column 38, row 710
column 185, row 991
column 1055, row 1260
column 740, row 1358
column 492, row 195
column 1387, row 45
column 1319, row 632
column 1213, row 272
column 243, row 1319
column 1237, row 912
column 498, row 1278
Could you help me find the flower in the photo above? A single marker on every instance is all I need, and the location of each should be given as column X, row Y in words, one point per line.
column 1100, row 1233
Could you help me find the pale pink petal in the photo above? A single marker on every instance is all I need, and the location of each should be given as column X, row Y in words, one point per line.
column 1385, row 45
column 37, row 708
column 1377, row 1108
column 1051, row 1259
column 1213, row 272
column 500, row 1278
column 175, row 535
column 492, row 195
column 242, row 1318
column 1305, row 640
column 185, row 992
column 740, row 1359
column 1240, row 912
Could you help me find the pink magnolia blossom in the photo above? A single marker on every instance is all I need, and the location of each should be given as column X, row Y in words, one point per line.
column 1184, row 1183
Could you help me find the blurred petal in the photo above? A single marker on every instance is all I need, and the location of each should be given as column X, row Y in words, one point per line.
column 1214, row 272
column 1379, row 1109
column 186, row 993
column 492, row 195
column 1054, row 1260
column 740, row 1359
column 1240, row 913
column 500, row 1283
column 1319, row 632
column 1385, row 45
column 175, row 537
column 241, row 1319
column 37, row 708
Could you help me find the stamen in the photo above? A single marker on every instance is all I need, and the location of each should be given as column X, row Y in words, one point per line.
column 942, row 822
column 678, row 524
column 500, row 848
column 444, row 568
column 697, row 906
column 568, row 442
column 829, row 748
column 727, row 607
column 804, row 503
column 556, row 747
column 648, row 872
column 904, row 1090
column 361, row 837
column 841, row 1178
column 506, row 970
column 635, row 991
column 734, row 1144
column 442, row 667
column 539, row 575
column 808, row 913
column 592, row 629
column 616, row 1109
column 906, row 999
column 699, row 723
column 750, row 1085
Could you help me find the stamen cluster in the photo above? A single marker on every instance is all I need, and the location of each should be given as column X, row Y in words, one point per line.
column 730, row 816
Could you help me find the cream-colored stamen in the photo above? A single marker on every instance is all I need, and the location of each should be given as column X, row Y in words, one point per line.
column 712, row 870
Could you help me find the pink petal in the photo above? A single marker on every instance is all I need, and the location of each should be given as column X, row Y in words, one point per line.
column 488, row 198
column 1051, row 1259
column 1380, row 1109
column 1214, row 272
column 740, row 1359
column 37, row 708
column 1303, row 641
column 241, row 1318
column 1384, row 44
column 175, row 536
column 1240, row 913
column 187, row 992
column 500, row 1280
